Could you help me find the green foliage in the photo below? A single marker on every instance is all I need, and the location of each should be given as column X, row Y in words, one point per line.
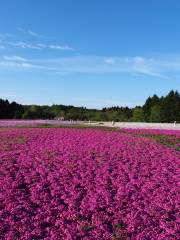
column 10, row 110
column 164, row 109
column 170, row 107
column 150, row 102
column 155, row 114
column 138, row 115
column 155, row 109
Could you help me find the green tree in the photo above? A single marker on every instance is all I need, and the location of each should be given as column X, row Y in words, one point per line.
column 170, row 107
column 155, row 115
column 150, row 102
column 138, row 115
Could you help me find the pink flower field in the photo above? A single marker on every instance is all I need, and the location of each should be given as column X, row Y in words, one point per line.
column 89, row 184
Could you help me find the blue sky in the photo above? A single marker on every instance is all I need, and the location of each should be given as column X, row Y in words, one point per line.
column 88, row 53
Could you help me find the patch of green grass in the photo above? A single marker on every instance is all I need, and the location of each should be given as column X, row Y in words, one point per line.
column 167, row 140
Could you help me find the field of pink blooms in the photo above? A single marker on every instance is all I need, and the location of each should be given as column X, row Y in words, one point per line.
column 89, row 184
column 33, row 123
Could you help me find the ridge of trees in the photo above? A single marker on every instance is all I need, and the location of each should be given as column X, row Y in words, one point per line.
column 155, row 109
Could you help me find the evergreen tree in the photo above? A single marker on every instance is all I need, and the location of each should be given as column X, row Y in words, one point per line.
column 170, row 107
column 150, row 102
column 138, row 115
column 155, row 115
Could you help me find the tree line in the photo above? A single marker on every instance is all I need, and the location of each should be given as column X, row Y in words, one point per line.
column 155, row 109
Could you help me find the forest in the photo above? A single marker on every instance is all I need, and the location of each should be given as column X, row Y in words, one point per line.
column 155, row 109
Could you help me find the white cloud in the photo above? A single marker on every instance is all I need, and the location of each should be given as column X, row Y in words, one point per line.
column 29, row 32
column 145, row 66
column 61, row 47
column 27, row 65
column 147, row 71
column 5, row 42
column 34, row 34
column 14, row 58
column 13, row 64
column 161, row 68
column 40, row 46
column 9, row 64
column 24, row 45
column 97, row 64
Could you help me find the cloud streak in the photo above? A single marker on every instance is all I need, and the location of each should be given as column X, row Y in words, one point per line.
column 6, row 41
column 24, row 45
column 40, row 46
column 14, row 58
column 158, row 68
column 60, row 47
column 29, row 32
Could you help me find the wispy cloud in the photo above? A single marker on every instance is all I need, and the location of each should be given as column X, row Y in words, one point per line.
column 40, row 46
column 159, row 68
column 29, row 32
column 17, row 65
column 14, row 58
column 13, row 64
column 34, row 34
column 60, row 47
column 146, row 66
column 16, row 62
column 7, row 40
column 24, row 45
column 97, row 64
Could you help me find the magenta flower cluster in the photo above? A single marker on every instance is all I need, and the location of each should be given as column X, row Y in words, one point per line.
column 174, row 133
column 19, row 123
column 74, row 184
